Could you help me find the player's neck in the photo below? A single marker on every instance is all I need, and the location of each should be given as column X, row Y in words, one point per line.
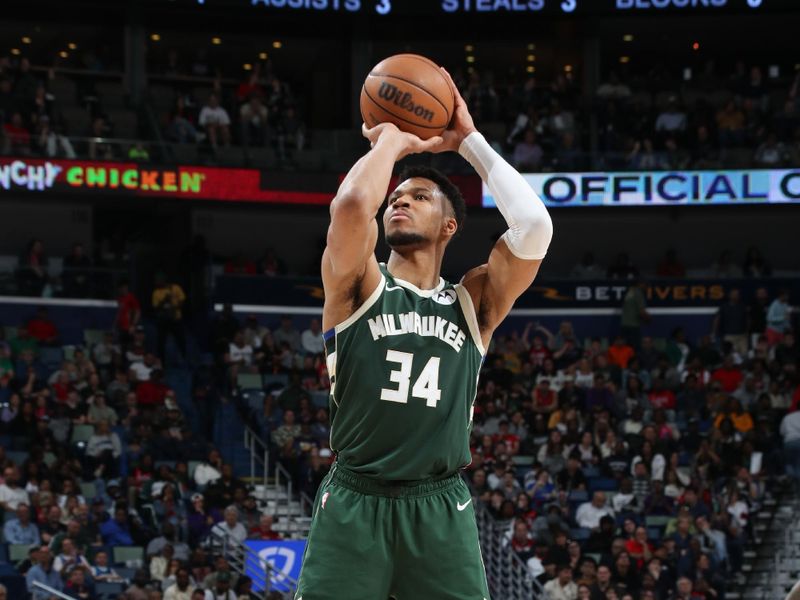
column 419, row 267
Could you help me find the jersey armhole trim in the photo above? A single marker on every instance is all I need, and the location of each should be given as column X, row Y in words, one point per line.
column 468, row 308
column 371, row 299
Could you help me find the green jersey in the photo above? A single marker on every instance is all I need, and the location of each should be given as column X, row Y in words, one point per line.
column 404, row 372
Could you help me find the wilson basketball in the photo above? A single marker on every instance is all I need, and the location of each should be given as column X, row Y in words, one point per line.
column 410, row 91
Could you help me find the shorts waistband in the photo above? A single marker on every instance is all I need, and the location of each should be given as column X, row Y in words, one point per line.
column 389, row 488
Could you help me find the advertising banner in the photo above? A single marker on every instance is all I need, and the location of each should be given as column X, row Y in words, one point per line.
column 280, row 560
column 664, row 188
column 143, row 180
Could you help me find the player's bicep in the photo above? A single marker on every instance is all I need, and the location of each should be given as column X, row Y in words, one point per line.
column 507, row 277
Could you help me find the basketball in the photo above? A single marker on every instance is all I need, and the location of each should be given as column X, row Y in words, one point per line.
column 410, row 91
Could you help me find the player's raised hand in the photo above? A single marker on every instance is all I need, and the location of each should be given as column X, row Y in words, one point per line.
column 405, row 143
column 460, row 126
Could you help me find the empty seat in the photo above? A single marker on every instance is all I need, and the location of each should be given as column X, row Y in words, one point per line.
column 77, row 120
column 112, row 94
column 64, row 90
column 184, row 154
column 128, row 555
column 82, row 433
column 232, row 156
column 125, row 123
column 249, row 381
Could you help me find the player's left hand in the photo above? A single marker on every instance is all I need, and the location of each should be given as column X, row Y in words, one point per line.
column 461, row 124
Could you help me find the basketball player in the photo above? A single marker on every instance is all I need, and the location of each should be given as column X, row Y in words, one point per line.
column 393, row 518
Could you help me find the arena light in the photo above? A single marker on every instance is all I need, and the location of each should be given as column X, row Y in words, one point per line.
column 624, row 59
column 628, row 37
column 216, row 40
column 277, row 44
column 155, row 37
column 72, row 46
column 531, row 46
column 16, row 51
column 63, row 54
column 530, row 69
column 26, row 39
column 262, row 56
column 696, row 46
column 531, row 58
column 469, row 48
column 247, row 67
column 568, row 68
column 470, row 59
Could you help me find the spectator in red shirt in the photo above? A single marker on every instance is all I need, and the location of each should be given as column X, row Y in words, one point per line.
column 153, row 391
column 129, row 311
column 504, row 435
column 639, row 548
column 240, row 265
column 264, row 530
column 620, row 353
column 728, row 375
column 660, row 397
column 544, row 398
column 19, row 138
column 43, row 329
column 538, row 350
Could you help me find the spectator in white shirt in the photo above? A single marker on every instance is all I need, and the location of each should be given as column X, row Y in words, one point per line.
column 69, row 557
column 182, row 588
column 562, row 587
column 11, row 495
column 590, row 513
column 672, row 120
column 230, row 526
column 216, row 122
column 104, row 448
column 790, row 431
column 311, row 339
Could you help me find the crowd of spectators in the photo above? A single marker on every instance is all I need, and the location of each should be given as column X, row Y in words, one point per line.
column 260, row 112
column 651, row 122
column 637, row 472
column 98, row 453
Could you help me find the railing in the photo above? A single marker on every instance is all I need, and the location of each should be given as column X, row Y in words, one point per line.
column 508, row 577
column 53, row 592
column 246, row 562
column 259, row 456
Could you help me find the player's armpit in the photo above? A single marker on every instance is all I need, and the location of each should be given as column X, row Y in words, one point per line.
column 494, row 287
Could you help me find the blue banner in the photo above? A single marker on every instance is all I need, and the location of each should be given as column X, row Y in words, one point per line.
column 664, row 188
column 278, row 560
column 305, row 295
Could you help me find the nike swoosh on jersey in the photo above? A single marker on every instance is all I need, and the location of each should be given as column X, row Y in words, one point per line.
column 391, row 288
column 461, row 507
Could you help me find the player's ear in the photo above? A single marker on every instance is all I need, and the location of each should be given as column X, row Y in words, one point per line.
column 450, row 226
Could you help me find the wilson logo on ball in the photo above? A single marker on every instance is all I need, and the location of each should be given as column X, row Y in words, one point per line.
column 404, row 100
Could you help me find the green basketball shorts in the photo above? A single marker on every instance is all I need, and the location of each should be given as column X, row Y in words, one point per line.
column 375, row 540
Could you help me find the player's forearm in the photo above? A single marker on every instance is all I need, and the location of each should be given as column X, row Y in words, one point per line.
column 364, row 187
column 530, row 228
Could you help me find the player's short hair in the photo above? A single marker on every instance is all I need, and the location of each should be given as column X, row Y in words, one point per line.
column 447, row 187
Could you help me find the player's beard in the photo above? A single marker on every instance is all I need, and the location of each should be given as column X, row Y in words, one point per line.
column 404, row 238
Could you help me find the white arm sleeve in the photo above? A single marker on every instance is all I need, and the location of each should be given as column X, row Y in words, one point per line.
column 530, row 228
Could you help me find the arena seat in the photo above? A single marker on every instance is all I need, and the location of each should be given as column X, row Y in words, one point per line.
column 108, row 591
column 579, row 534
column 125, row 555
column 81, row 433
column 249, row 381
column 602, row 484
column 18, row 552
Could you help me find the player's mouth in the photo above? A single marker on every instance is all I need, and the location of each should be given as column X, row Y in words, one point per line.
column 399, row 215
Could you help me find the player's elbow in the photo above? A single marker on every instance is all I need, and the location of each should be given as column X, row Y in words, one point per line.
column 350, row 204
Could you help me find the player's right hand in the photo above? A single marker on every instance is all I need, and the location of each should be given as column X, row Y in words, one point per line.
column 405, row 143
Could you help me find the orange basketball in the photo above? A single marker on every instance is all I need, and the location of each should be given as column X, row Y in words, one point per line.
column 410, row 91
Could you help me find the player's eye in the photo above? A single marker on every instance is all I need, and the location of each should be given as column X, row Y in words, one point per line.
column 421, row 197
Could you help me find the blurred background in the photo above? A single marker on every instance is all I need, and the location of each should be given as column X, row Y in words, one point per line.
column 165, row 172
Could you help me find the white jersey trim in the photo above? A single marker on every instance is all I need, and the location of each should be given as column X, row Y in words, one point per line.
column 371, row 299
column 468, row 308
column 415, row 289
